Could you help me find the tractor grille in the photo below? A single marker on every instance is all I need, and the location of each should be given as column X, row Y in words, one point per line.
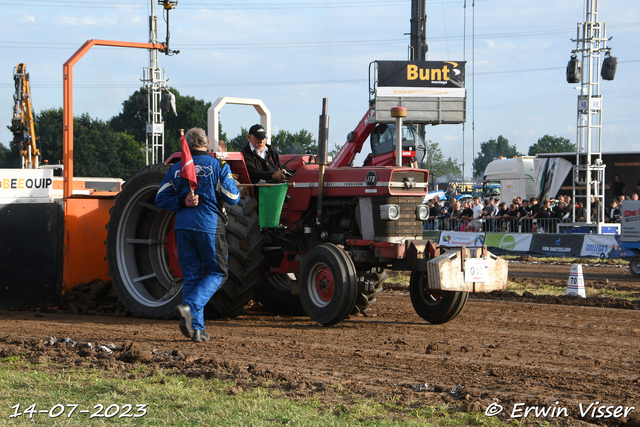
column 407, row 225
column 410, row 180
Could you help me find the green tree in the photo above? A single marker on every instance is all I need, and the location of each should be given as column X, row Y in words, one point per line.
column 552, row 144
column 98, row 151
column 493, row 149
column 333, row 153
column 239, row 141
column 191, row 113
column 283, row 142
column 437, row 165
column 49, row 128
column 294, row 143
column 9, row 156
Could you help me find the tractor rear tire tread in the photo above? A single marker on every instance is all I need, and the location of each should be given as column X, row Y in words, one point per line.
column 134, row 216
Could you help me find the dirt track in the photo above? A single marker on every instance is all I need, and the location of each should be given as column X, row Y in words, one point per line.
column 512, row 351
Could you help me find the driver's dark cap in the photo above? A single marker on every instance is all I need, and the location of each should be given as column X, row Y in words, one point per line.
column 258, row 131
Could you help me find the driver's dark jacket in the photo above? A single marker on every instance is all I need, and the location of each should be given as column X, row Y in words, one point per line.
column 259, row 168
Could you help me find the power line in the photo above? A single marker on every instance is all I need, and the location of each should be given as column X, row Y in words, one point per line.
column 177, row 85
column 209, row 6
column 299, row 45
column 288, row 83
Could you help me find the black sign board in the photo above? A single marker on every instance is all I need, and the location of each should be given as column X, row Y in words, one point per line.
column 434, row 74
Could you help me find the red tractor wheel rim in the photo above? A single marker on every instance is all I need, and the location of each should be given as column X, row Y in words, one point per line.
column 437, row 296
column 324, row 284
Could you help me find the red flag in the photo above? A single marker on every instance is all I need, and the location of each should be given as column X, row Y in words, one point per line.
column 187, row 168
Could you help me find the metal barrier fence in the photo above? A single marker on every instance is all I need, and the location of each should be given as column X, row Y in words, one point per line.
column 495, row 225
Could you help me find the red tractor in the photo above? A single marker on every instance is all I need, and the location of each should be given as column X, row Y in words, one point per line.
column 340, row 230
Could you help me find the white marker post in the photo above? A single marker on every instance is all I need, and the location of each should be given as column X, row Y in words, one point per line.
column 575, row 286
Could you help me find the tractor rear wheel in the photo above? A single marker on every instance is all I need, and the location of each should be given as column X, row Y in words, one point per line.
column 328, row 284
column 140, row 245
column 434, row 306
column 634, row 265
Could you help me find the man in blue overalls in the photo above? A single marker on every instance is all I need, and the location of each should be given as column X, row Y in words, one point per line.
column 200, row 229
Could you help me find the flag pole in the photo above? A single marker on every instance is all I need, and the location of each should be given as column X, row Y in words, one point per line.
column 181, row 135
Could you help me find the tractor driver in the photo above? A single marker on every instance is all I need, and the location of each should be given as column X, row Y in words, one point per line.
column 262, row 160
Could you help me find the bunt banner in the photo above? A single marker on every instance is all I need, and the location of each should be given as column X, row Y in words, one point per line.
column 421, row 78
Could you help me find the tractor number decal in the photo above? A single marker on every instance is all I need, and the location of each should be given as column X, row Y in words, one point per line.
column 371, row 179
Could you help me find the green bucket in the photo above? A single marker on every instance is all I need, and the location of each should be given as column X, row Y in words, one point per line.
column 270, row 204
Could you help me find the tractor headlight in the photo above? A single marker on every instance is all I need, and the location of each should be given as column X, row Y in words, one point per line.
column 422, row 212
column 390, row 212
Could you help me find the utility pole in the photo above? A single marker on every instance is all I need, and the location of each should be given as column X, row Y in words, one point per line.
column 418, row 48
column 589, row 170
column 154, row 82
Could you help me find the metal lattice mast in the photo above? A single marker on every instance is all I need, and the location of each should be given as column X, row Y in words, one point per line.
column 589, row 169
column 154, row 81
column 418, row 49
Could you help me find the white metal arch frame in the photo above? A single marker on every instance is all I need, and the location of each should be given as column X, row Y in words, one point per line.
column 214, row 111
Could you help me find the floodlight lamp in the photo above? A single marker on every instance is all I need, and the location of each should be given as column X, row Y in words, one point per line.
column 168, row 102
column 609, row 66
column 142, row 103
column 574, row 70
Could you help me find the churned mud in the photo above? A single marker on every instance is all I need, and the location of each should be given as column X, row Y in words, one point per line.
column 557, row 354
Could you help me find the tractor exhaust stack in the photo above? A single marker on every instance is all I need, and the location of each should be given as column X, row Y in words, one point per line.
column 323, row 144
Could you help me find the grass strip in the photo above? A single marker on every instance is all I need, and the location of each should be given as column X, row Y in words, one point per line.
column 175, row 400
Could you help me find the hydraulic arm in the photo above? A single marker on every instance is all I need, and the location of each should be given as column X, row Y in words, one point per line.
column 22, row 123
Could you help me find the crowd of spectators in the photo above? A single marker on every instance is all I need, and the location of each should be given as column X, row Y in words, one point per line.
column 526, row 216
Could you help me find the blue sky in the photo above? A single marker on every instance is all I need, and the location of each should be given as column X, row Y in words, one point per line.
column 291, row 54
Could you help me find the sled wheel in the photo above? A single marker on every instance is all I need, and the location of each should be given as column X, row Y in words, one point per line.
column 328, row 284
column 435, row 307
column 634, row 265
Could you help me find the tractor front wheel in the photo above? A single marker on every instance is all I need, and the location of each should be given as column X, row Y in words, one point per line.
column 328, row 284
column 434, row 306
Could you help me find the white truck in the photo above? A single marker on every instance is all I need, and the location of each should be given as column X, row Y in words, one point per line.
column 515, row 177
column 525, row 177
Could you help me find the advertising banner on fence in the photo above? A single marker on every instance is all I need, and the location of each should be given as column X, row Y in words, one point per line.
column 431, row 235
column 509, row 242
column 600, row 246
column 421, row 78
column 453, row 238
column 557, row 245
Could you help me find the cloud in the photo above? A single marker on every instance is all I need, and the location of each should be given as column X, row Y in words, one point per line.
column 76, row 21
column 27, row 18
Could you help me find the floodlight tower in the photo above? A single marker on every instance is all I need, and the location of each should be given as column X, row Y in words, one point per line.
column 155, row 83
column 589, row 170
